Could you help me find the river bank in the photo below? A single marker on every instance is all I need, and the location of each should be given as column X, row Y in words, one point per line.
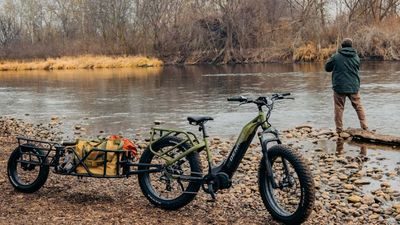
column 80, row 62
column 353, row 187
column 308, row 53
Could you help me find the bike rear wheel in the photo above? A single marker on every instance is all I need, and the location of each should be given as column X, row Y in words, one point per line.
column 164, row 190
column 293, row 200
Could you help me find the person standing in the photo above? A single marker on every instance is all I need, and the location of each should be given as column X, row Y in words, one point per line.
column 344, row 66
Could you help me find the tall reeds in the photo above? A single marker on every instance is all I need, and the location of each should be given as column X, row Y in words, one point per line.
column 310, row 52
column 81, row 62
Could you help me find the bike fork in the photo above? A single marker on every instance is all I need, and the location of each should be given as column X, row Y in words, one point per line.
column 264, row 140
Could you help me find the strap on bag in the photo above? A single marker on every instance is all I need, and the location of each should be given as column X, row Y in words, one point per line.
column 96, row 158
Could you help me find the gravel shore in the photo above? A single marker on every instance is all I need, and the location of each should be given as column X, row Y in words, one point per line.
column 353, row 187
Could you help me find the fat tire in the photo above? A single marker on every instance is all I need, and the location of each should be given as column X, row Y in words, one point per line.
column 306, row 203
column 12, row 176
column 193, row 187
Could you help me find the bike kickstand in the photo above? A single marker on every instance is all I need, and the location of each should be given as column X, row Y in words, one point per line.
column 213, row 195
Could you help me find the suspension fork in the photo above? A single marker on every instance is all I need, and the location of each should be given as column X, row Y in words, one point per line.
column 265, row 140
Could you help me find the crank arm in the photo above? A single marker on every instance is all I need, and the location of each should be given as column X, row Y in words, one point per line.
column 188, row 178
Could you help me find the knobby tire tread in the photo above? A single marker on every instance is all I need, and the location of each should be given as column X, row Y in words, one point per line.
column 37, row 184
column 306, row 180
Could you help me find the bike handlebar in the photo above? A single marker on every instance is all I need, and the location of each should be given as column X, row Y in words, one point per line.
column 237, row 99
column 262, row 100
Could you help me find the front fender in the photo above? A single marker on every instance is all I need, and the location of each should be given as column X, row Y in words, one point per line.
column 267, row 136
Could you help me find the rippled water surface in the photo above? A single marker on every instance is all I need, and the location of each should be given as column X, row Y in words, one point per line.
column 124, row 100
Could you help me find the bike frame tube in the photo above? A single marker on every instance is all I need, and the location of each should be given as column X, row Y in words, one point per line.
column 243, row 142
column 189, row 137
column 195, row 148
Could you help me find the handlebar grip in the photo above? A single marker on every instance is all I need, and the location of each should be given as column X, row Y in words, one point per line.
column 236, row 99
column 285, row 94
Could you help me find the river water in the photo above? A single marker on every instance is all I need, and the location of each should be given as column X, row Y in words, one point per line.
column 124, row 100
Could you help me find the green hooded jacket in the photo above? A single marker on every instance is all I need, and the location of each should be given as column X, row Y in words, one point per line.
column 344, row 66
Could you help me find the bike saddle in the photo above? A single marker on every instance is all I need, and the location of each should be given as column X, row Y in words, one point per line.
column 196, row 120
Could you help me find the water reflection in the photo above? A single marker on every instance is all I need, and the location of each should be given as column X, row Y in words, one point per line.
column 340, row 147
column 379, row 160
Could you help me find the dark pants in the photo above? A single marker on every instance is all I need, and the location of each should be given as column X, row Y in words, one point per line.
column 339, row 100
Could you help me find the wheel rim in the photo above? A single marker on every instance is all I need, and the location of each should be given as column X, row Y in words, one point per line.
column 164, row 185
column 25, row 169
column 285, row 200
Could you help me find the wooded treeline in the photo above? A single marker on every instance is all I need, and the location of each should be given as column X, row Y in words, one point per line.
column 199, row 31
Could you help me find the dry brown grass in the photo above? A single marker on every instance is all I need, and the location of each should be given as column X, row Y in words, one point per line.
column 380, row 41
column 311, row 53
column 81, row 62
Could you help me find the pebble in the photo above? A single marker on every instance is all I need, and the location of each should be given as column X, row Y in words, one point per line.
column 325, row 195
column 373, row 217
column 374, row 205
column 361, row 182
column 353, row 165
column 376, row 176
column 385, row 184
column 354, row 198
column 391, row 174
column 368, row 199
column 348, row 186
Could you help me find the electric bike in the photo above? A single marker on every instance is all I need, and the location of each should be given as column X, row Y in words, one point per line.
column 284, row 178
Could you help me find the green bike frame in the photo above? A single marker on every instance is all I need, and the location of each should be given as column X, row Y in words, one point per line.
column 230, row 165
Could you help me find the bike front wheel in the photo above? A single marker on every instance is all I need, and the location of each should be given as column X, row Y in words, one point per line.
column 291, row 201
column 168, row 189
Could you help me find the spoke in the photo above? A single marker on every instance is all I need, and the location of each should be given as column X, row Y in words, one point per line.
column 287, row 196
column 167, row 184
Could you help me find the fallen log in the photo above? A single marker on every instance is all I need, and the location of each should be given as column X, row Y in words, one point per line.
column 368, row 136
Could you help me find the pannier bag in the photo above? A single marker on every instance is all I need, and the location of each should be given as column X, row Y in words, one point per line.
column 96, row 158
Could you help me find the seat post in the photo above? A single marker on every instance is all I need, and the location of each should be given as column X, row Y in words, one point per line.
column 203, row 129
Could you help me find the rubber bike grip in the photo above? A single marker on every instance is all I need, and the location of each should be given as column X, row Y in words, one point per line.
column 235, row 99
column 285, row 94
